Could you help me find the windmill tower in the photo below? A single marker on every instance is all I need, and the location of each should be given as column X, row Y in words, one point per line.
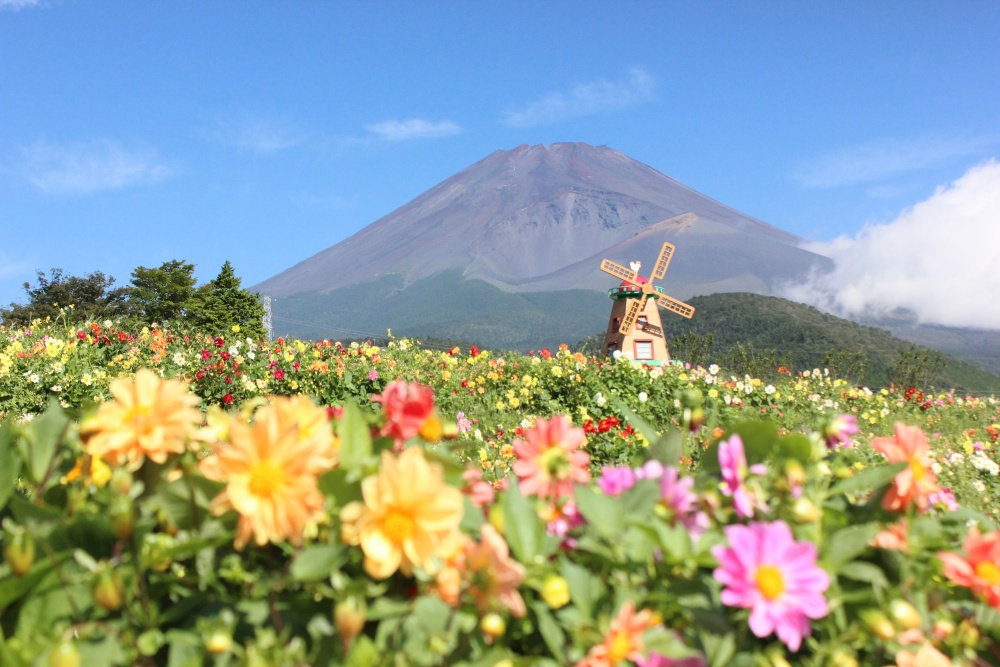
column 634, row 327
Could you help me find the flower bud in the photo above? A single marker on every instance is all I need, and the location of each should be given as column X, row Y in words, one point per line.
column 122, row 514
column 349, row 617
column 879, row 624
column 692, row 398
column 64, row 654
column 108, row 590
column 20, row 551
column 496, row 518
column 843, row 659
column 493, row 626
column 942, row 628
column 121, row 481
column 219, row 642
column 805, row 511
column 555, row 591
column 968, row 633
column 695, row 419
column 904, row 615
column 794, row 473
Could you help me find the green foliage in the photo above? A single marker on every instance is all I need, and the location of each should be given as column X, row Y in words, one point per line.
column 76, row 298
column 847, row 364
column 222, row 304
column 692, row 348
column 162, row 294
column 916, row 367
column 743, row 359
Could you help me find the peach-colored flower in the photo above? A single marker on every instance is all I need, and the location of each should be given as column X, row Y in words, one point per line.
column 917, row 482
column 550, row 460
column 408, row 406
column 409, row 515
column 270, row 475
column 493, row 575
column 149, row 418
column 893, row 538
column 313, row 426
column 980, row 569
column 623, row 641
column 927, row 656
column 480, row 492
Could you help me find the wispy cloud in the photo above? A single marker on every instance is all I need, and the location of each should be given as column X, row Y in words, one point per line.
column 413, row 128
column 586, row 99
column 937, row 259
column 259, row 135
column 86, row 167
column 879, row 160
column 17, row 5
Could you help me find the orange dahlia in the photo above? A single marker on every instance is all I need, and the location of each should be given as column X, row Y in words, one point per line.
column 917, row 481
column 270, row 474
column 149, row 418
column 623, row 641
column 408, row 517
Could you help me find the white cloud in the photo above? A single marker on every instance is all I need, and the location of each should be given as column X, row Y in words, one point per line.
column 259, row 135
column 938, row 259
column 414, row 128
column 93, row 166
column 17, row 5
column 879, row 160
column 586, row 99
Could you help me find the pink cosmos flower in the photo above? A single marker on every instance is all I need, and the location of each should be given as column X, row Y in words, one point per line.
column 676, row 495
column 616, row 481
column 839, row 429
column 550, row 459
column 407, row 406
column 733, row 461
column 765, row 570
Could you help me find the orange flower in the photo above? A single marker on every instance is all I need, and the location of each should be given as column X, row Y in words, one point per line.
column 550, row 460
column 493, row 574
column 893, row 538
column 313, row 426
column 927, row 656
column 917, row 482
column 408, row 406
column 270, row 474
column 409, row 515
column 149, row 417
column 623, row 641
column 980, row 569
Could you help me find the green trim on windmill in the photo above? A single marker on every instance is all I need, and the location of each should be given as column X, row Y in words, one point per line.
column 630, row 292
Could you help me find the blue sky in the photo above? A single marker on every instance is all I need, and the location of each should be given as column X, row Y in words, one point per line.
column 133, row 133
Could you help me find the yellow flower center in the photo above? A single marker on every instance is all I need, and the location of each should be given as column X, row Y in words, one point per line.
column 138, row 415
column 769, row 581
column 398, row 526
column 989, row 572
column 431, row 430
column 555, row 462
column 265, row 479
column 919, row 471
column 621, row 646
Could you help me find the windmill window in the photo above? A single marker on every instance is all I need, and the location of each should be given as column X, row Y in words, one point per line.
column 643, row 349
column 641, row 322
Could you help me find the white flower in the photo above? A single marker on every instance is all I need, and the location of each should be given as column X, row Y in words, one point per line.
column 728, row 399
column 748, row 390
column 713, row 369
column 179, row 358
column 643, row 397
column 979, row 485
column 936, row 467
column 769, row 389
column 33, row 378
column 616, row 355
column 600, row 400
column 477, row 434
column 981, row 462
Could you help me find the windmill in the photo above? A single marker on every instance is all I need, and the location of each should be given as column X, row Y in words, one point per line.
column 634, row 326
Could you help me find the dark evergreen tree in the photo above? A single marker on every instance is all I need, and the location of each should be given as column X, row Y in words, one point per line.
column 91, row 297
column 162, row 294
column 219, row 305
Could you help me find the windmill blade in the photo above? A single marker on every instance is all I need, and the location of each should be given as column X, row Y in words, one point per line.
column 631, row 315
column 618, row 271
column 651, row 329
column 675, row 306
column 660, row 268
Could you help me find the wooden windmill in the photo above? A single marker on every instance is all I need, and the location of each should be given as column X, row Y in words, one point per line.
column 634, row 327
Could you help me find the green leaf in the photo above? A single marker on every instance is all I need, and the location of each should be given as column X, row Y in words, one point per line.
column 868, row 480
column 759, row 438
column 355, row 438
column 185, row 649
column 41, row 438
column 550, row 630
column 668, row 448
column 7, row 656
column 316, row 562
column 795, row 446
column 641, row 498
column 150, row 641
column 847, row 543
column 604, row 513
column 640, row 424
column 584, row 586
column 523, row 528
column 864, row 572
column 10, row 463
column 363, row 653
column 336, row 483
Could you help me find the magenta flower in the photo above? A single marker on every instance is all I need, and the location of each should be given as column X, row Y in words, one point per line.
column 838, row 430
column 373, row 375
column 676, row 495
column 659, row 660
column 733, row 461
column 616, row 481
column 766, row 571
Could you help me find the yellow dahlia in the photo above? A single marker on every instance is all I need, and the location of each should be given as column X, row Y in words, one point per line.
column 409, row 515
column 270, row 475
column 313, row 428
column 149, row 417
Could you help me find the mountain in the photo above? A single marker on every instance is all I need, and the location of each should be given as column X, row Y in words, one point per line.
column 540, row 219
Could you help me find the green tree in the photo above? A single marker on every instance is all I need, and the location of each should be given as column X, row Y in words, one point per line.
column 163, row 293
column 692, row 348
column 91, row 297
column 916, row 367
column 221, row 304
column 846, row 364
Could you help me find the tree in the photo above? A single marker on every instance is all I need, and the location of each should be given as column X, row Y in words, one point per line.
column 221, row 304
column 916, row 367
column 162, row 294
column 91, row 298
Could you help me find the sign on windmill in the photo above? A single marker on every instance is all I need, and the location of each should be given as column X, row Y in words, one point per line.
column 634, row 327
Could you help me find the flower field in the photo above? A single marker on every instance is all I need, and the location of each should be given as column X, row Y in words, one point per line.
column 176, row 498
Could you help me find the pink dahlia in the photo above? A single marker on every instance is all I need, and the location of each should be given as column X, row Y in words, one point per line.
column 733, row 462
column 766, row 571
column 681, row 502
column 550, row 459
